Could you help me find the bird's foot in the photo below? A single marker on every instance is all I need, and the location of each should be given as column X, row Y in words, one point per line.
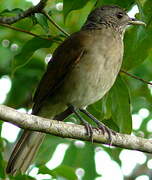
column 105, row 129
column 101, row 126
column 88, row 127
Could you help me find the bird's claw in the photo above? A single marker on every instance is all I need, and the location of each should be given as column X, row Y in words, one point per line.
column 89, row 131
column 105, row 129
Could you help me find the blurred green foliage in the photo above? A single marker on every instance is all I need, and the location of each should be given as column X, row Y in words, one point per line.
column 25, row 65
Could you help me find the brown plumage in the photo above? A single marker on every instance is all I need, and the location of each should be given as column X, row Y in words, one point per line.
column 83, row 68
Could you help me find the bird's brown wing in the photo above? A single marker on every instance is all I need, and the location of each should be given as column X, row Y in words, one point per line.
column 63, row 60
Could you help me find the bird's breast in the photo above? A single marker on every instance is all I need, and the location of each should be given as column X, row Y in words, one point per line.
column 95, row 73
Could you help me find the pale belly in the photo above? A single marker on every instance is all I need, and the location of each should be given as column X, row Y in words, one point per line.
column 91, row 79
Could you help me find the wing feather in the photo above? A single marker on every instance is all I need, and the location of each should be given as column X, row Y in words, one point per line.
column 66, row 56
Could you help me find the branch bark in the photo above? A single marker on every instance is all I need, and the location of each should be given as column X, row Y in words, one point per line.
column 35, row 9
column 73, row 131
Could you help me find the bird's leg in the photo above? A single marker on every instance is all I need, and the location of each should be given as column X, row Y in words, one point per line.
column 88, row 127
column 63, row 115
column 100, row 125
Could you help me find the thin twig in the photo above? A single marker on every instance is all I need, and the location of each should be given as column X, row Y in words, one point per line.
column 36, row 9
column 55, row 24
column 25, row 31
column 136, row 77
column 18, row 29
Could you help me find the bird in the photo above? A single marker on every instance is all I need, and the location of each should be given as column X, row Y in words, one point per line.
column 81, row 71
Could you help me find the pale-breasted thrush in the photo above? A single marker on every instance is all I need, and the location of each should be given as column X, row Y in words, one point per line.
column 82, row 70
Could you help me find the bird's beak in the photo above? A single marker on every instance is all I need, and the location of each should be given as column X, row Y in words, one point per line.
column 134, row 21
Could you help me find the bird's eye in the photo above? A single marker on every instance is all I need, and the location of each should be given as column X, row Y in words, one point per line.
column 119, row 15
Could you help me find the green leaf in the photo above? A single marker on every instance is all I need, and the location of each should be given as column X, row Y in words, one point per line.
column 114, row 108
column 69, row 5
column 47, row 149
column 127, row 4
column 42, row 20
column 76, row 19
column 2, row 166
column 6, row 56
column 29, row 75
column 28, row 50
column 66, row 172
column 61, row 171
column 81, row 157
column 138, row 39
column 101, row 109
column 120, row 106
column 13, row 11
column 44, row 170
column 140, row 93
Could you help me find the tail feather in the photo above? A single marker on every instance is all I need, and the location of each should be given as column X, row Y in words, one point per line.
column 24, row 152
column 27, row 147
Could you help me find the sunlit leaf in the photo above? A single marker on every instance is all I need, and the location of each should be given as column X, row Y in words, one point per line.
column 42, row 20
column 138, row 39
column 47, row 149
column 120, row 106
column 12, row 11
column 28, row 50
column 69, row 5
column 78, row 157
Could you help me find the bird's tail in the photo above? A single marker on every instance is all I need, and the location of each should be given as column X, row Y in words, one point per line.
column 24, row 152
column 27, row 147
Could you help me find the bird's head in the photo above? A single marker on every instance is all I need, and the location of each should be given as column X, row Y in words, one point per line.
column 110, row 16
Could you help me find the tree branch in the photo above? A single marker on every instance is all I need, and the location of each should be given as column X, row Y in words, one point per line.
column 55, row 24
column 73, row 131
column 18, row 29
column 36, row 9
column 27, row 32
column 136, row 77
